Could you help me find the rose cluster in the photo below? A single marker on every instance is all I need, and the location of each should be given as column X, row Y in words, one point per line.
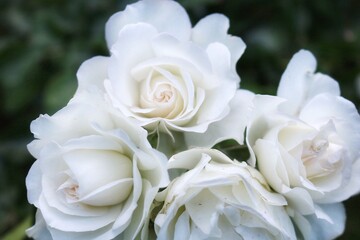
column 139, row 152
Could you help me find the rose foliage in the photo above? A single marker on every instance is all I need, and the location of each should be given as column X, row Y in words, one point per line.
column 139, row 152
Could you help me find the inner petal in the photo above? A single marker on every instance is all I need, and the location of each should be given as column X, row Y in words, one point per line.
column 321, row 158
column 110, row 194
column 162, row 94
column 93, row 169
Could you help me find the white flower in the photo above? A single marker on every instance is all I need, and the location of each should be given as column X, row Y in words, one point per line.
column 95, row 176
column 315, row 99
column 164, row 74
column 296, row 157
column 219, row 199
column 306, row 143
column 306, row 165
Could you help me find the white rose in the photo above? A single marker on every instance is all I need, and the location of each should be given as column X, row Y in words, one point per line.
column 315, row 99
column 303, row 164
column 306, row 144
column 294, row 156
column 217, row 198
column 95, row 176
column 164, row 74
column 167, row 16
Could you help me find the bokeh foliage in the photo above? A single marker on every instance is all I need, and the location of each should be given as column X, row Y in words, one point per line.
column 43, row 42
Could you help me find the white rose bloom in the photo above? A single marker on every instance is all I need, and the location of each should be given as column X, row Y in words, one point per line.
column 294, row 156
column 217, row 198
column 306, row 144
column 165, row 74
column 315, row 99
column 95, row 176
column 306, row 165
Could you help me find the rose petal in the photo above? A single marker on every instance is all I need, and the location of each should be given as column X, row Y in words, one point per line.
column 109, row 194
column 294, row 81
column 93, row 169
column 201, row 210
column 343, row 113
column 166, row 45
column 270, row 165
column 75, row 120
column 152, row 12
column 92, row 73
column 313, row 227
column 182, row 227
column 65, row 222
column 39, row 230
column 232, row 126
column 133, row 47
column 220, row 59
column 33, row 183
column 213, row 28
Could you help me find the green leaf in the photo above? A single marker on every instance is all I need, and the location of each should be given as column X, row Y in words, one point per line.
column 18, row 232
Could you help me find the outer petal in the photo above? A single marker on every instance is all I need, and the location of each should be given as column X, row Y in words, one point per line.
column 64, row 222
column 101, row 234
column 299, row 84
column 92, row 73
column 165, row 16
column 40, row 229
column 182, row 227
column 257, row 125
column 349, row 187
column 220, row 58
column 33, row 183
column 230, row 127
column 213, row 28
column 74, row 120
column 322, row 84
column 327, row 223
column 215, row 105
column 271, row 165
column 293, row 83
column 189, row 159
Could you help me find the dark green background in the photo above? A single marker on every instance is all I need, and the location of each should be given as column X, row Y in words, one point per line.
column 43, row 42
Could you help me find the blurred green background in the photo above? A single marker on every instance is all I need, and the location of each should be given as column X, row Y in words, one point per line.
column 43, row 42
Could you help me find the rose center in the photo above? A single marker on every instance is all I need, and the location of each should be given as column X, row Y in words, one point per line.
column 314, row 149
column 163, row 94
column 70, row 189
column 71, row 192
column 321, row 158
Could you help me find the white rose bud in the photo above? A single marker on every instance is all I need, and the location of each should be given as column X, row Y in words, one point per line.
column 95, row 176
column 217, row 198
